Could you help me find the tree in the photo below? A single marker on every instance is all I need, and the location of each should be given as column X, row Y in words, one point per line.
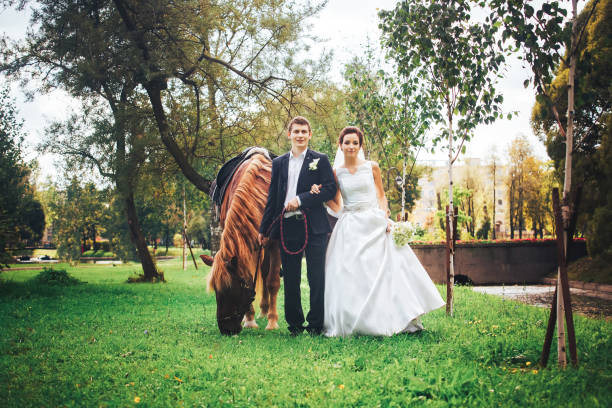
column 542, row 36
column 459, row 61
column 200, row 71
column 518, row 153
column 225, row 48
column 485, row 227
column 21, row 215
column 395, row 119
column 592, row 111
column 81, row 213
column 461, row 196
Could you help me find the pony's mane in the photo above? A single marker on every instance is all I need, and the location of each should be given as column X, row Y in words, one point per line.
column 241, row 213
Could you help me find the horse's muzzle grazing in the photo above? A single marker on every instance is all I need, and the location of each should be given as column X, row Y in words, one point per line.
column 232, row 304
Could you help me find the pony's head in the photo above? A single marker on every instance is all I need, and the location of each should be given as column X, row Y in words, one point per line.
column 233, row 268
column 234, row 298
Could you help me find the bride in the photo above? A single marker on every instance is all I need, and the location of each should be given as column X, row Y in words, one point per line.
column 372, row 286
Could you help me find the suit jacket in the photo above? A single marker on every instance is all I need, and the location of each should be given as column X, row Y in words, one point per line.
column 312, row 204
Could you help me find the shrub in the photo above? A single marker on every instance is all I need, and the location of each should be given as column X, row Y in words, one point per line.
column 178, row 240
column 60, row 277
column 106, row 246
column 599, row 233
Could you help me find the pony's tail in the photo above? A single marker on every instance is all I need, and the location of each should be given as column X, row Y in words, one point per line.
column 259, row 283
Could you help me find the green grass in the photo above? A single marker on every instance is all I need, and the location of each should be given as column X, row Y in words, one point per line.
column 106, row 342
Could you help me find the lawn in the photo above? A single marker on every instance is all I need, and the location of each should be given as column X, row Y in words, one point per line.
column 108, row 343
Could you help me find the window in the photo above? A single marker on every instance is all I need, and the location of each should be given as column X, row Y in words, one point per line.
column 499, row 202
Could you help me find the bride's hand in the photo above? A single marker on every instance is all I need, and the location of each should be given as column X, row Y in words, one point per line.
column 389, row 225
column 315, row 189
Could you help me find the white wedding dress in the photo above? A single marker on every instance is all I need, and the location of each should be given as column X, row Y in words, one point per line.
column 372, row 286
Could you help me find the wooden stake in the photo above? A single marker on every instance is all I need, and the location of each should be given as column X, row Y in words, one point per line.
column 549, row 330
column 450, row 255
column 449, row 276
column 186, row 238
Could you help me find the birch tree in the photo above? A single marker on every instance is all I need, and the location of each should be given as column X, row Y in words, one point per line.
column 460, row 60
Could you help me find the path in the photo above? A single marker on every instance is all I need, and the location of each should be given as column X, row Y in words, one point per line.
column 592, row 303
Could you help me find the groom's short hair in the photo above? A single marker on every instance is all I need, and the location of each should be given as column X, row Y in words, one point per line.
column 299, row 120
column 347, row 131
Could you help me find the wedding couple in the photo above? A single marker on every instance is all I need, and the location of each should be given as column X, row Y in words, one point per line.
column 361, row 282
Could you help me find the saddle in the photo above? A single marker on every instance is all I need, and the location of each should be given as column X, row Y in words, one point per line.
column 225, row 174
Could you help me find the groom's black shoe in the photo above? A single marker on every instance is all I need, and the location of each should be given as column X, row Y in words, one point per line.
column 314, row 331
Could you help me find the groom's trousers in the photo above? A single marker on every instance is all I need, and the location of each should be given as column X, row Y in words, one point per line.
column 293, row 232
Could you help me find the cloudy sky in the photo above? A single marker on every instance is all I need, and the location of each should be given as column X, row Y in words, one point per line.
column 346, row 25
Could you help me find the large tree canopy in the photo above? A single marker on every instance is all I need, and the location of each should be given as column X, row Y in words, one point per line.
column 21, row 216
column 226, row 58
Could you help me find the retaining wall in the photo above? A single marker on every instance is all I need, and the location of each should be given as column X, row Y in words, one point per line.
column 495, row 263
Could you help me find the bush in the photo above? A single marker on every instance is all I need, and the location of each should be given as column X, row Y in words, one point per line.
column 105, row 246
column 60, row 277
column 599, row 234
column 178, row 240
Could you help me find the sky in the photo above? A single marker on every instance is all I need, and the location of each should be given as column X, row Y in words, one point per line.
column 346, row 26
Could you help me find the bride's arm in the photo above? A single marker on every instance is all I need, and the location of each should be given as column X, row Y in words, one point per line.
column 335, row 203
column 380, row 191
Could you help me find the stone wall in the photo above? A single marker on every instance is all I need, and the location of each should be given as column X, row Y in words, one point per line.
column 507, row 263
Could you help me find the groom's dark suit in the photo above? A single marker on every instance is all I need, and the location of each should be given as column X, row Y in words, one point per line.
column 315, row 170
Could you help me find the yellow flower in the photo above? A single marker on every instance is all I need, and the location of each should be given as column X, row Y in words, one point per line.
column 535, row 371
column 341, row 386
column 178, row 379
column 167, row 376
column 137, row 399
column 528, row 363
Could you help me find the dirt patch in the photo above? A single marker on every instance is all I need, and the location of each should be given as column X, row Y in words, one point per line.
column 588, row 303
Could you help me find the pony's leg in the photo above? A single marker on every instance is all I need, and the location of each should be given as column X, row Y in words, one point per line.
column 249, row 318
column 273, row 285
column 265, row 298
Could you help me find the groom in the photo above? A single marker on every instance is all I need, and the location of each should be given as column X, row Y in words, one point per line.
column 293, row 174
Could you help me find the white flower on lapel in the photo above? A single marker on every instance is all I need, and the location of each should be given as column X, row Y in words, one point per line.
column 313, row 164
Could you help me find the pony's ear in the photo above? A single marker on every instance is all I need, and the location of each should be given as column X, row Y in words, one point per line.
column 232, row 265
column 208, row 260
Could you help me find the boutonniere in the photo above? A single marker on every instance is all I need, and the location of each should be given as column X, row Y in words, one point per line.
column 313, row 164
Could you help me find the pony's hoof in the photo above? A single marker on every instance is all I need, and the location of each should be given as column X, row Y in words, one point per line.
column 261, row 315
column 272, row 326
column 250, row 324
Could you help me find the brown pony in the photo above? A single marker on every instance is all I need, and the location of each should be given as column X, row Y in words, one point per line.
column 233, row 267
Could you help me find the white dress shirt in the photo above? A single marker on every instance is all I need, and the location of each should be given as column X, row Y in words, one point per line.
column 295, row 166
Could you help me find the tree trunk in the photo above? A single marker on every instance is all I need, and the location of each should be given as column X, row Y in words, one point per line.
column 567, row 182
column 494, row 203
column 154, row 89
column 450, row 233
column 150, row 272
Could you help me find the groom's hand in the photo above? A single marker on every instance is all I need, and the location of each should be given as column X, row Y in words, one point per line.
column 316, row 188
column 263, row 241
column 293, row 205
